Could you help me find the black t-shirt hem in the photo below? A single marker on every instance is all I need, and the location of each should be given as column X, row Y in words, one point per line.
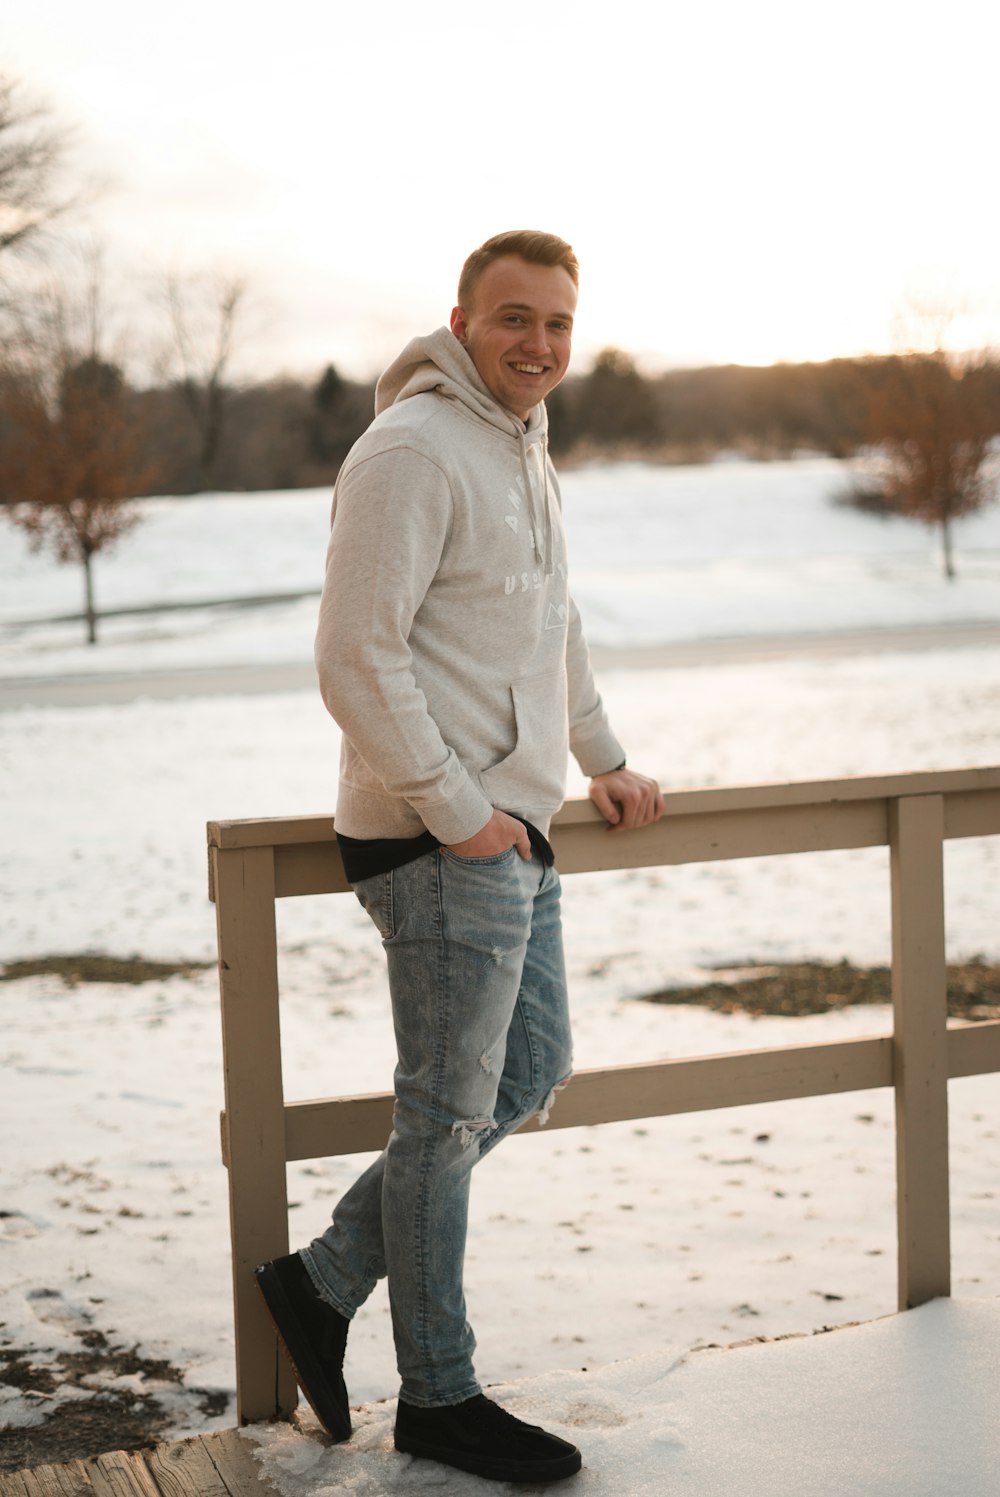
column 366, row 857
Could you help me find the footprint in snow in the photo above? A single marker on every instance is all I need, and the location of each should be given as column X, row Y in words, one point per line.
column 51, row 1308
column 14, row 1226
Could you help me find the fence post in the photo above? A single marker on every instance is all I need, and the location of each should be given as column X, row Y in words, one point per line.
column 254, row 1120
column 920, row 1057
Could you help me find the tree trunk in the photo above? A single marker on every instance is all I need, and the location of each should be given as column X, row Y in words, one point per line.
column 211, row 430
column 949, row 555
column 91, row 612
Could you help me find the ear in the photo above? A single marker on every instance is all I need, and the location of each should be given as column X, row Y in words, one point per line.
column 459, row 325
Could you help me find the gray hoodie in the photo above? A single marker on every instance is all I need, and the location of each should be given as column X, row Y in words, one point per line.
column 448, row 647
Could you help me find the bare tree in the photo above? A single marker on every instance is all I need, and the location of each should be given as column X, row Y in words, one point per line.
column 204, row 313
column 932, row 422
column 33, row 148
column 70, row 443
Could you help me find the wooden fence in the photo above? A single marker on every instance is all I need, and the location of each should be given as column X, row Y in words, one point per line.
column 253, row 863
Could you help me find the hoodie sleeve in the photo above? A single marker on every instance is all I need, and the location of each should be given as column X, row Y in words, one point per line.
column 595, row 748
column 392, row 518
column 592, row 743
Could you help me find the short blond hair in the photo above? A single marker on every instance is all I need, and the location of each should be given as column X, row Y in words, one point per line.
column 529, row 244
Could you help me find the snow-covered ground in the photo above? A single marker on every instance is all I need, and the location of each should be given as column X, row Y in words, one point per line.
column 589, row 1245
column 859, row 1413
column 658, row 554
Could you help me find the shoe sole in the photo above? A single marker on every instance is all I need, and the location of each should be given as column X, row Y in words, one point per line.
column 534, row 1473
column 336, row 1421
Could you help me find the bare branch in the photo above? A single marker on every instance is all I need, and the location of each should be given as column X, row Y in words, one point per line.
column 33, row 150
column 203, row 312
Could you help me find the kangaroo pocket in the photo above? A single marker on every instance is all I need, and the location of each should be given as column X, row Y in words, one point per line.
column 533, row 775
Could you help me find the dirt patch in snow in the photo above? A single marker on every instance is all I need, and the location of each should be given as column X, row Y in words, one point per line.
column 790, row 989
column 102, row 1397
column 88, row 967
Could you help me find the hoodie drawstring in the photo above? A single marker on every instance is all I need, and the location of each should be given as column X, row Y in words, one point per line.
column 541, row 513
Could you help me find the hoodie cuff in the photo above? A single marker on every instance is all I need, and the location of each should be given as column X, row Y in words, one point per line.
column 457, row 819
column 599, row 754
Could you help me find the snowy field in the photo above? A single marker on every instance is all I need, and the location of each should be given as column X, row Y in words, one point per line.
column 658, row 554
column 586, row 1246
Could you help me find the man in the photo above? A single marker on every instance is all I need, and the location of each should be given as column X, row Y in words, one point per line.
column 451, row 655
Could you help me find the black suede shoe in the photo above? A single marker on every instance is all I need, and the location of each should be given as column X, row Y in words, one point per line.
column 314, row 1336
column 481, row 1437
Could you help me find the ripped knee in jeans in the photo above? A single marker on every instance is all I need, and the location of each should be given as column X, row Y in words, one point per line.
column 467, row 1130
column 546, row 1107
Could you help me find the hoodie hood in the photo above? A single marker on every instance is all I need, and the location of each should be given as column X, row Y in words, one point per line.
column 438, row 364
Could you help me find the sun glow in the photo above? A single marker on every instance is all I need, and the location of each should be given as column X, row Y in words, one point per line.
column 740, row 185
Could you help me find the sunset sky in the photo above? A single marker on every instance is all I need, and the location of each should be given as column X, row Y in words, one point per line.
column 741, row 183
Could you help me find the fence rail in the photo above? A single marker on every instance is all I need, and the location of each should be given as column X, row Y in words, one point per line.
column 253, row 863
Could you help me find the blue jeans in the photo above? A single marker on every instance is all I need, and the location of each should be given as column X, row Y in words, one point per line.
column 478, row 988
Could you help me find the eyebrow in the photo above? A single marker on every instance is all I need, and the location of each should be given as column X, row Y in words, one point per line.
column 523, row 306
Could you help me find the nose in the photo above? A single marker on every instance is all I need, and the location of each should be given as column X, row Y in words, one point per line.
column 536, row 339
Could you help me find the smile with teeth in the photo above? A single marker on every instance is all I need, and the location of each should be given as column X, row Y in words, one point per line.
column 529, row 368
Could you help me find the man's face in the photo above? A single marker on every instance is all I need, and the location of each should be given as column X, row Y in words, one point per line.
column 518, row 330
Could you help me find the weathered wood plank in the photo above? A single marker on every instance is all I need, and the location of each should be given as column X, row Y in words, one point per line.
column 709, row 833
column 325, row 1126
column 974, row 1049
column 714, row 836
column 920, row 1006
column 701, row 1083
column 270, row 831
column 69, row 1479
column 121, row 1473
column 972, row 813
column 278, row 831
column 309, row 868
column 219, row 1464
column 184, row 1468
column 232, row 1457
column 584, row 846
column 258, row 1201
column 351, row 1125
column 42, row 1481
column 844, row 789
column 12, row 1484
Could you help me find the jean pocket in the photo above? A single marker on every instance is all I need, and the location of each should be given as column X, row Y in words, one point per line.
column 375, row 897
column 495, row 859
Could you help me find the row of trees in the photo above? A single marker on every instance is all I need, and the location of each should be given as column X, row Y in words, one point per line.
column 80, row 437
column 197, row 433
column 688, row 415
column 921, row 428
